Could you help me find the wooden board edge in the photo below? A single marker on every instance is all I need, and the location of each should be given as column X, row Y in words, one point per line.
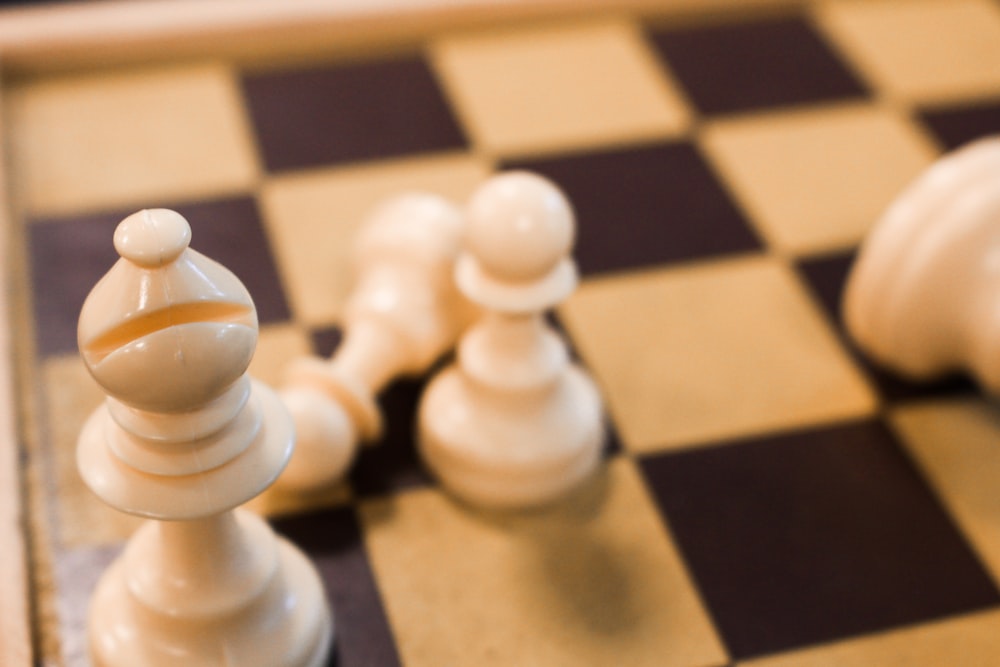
column 84, row 35
column 15, row 615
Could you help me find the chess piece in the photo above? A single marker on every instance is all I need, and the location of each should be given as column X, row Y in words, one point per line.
column 513, row 423
column 184, row 437
column 921, row 297
column 403, row 313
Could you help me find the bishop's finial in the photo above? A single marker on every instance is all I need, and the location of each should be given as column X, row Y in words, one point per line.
column 152, row 237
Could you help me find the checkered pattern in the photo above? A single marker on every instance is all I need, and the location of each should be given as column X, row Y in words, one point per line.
column 772, row 499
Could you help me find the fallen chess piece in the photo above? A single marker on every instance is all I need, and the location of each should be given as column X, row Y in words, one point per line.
column 403, row 314
column 184, row 437
column 921, row 298
column 514, row 423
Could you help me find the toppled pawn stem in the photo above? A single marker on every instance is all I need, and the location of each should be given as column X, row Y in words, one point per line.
column 403, row 313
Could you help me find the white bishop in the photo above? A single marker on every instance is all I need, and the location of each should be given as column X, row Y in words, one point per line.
column 184, row 437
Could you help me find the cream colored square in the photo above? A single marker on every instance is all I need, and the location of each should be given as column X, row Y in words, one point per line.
column 817, row 179
column 969, row 641
column 712, row 351
column 135, row 138
column 956, row 445
column 277, row 344
column 559, row 87
column 594, row 581
column 927, row 51
column 71, row 395
column 313, row 217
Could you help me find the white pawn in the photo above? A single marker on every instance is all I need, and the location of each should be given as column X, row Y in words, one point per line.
column 513, row 423
column 921, row 297
column 184, row 437
column 402, row 314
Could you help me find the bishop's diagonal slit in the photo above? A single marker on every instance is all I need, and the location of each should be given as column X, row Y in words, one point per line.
column 187, row 313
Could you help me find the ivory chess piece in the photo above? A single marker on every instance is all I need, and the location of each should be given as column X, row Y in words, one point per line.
column 403, row 313
column 921, row 297
column 184, row 437
column 513, row 423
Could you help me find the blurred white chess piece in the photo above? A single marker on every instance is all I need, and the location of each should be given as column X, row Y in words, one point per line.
column 513, row 423
column 922, row 297
column 184, row 437
column 403, row 313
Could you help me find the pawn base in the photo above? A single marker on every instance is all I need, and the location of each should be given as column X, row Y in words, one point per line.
column 286, row 624
column 510, row 452
column 326, row 442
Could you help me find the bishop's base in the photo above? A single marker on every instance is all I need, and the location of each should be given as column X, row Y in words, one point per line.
column 287, row 625
column 510, row 454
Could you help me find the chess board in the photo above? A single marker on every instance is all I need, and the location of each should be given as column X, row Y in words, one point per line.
column 769, row 498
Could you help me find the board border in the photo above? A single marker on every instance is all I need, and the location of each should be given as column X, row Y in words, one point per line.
column 75, row 35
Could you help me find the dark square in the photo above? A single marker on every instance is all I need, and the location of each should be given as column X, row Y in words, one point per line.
column 326, row 340
column 645, row 206
column 231, row 232
column 814, row 536
column 737, row 67
column 305, row 118
column 827, row 276
column 957, row 126
column 392, row 463
column 69, row 255
column 332, row 540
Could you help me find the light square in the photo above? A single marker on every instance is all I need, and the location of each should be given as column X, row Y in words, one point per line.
column 711, row 351
column 277, row 344
column 561, row 87
column 313, row 217
column 971, row 640
column 117, row 140
column 817, row 179
column 925, row 51
column 955, row 444
column 593, row 581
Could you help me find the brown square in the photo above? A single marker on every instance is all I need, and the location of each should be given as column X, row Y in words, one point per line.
column 348, row 113
column 971, row 638
column 645, row 206
column 755, row 64
column 815, row 536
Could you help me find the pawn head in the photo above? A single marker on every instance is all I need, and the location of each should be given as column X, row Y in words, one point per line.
column 520, row 227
